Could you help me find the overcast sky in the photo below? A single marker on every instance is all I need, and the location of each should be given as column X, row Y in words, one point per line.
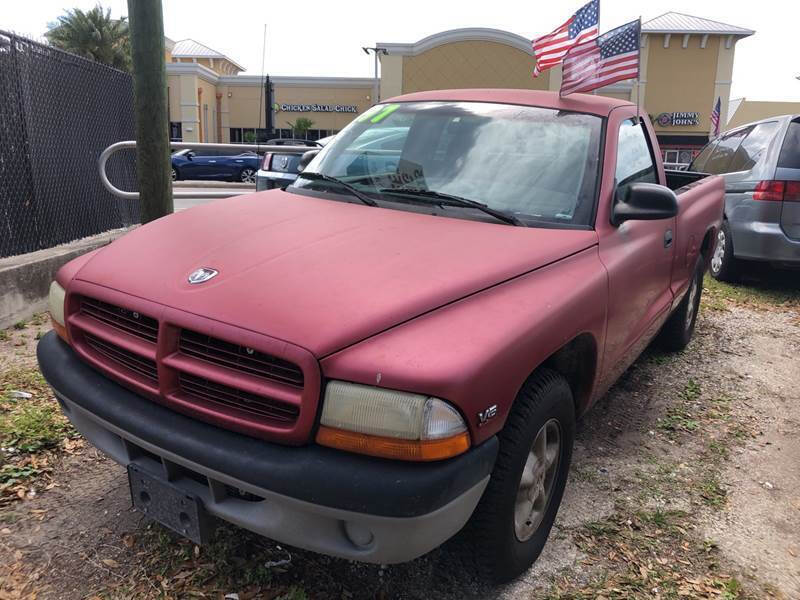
column 325, row 38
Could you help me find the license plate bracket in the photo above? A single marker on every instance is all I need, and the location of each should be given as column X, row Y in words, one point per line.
column 181, row 511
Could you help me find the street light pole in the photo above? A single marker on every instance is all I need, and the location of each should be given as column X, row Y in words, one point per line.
column 375, row 87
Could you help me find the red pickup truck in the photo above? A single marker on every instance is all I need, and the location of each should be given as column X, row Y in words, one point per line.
column 396, row 346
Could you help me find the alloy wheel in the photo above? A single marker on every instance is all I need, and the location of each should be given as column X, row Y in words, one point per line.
column 536, row 483
column 719, row 253
column 248, row 176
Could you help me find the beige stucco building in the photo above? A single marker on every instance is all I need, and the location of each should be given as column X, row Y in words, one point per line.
column 686, row 65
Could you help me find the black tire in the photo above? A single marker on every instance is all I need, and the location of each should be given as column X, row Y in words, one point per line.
column 489, row 542
column 175, row 175
column 724, row 265
column 677, row 332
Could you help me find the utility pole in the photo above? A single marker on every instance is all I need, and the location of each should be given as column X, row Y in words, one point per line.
column 146, row 26
column 375, row 51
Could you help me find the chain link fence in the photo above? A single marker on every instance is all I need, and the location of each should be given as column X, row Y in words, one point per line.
column 58, row 112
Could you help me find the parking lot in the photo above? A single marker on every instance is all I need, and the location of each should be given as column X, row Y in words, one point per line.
column 682, row 484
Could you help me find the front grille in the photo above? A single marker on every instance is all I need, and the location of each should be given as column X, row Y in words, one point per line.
column 219, row 394
column 239, row 358
column 143, row 366
column 129, row 321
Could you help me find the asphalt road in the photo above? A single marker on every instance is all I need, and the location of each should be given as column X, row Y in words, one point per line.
column 183, row 203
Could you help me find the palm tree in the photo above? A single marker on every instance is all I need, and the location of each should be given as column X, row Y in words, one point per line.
column 95, row 35
column 300, row 126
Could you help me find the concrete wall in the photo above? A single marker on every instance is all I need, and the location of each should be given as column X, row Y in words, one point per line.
column 25, row 279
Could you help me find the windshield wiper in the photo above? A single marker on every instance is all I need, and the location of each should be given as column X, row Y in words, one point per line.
column 322, row 177
column 450, row 200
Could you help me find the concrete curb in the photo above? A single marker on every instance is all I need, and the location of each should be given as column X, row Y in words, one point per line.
column 213, row 184
column 25, row 279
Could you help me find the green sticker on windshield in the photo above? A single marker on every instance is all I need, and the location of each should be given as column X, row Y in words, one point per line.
column 385, row 113
column 370, row 112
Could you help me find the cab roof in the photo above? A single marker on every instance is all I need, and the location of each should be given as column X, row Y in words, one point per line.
column 585, row 103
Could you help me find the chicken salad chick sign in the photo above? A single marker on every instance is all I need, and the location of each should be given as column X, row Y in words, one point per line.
column 338, row 108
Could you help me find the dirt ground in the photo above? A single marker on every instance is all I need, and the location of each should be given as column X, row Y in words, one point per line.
column 685, row 483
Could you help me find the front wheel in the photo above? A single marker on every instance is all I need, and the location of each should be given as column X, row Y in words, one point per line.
column 174, row 174
column 247, row 176
column 511, row 524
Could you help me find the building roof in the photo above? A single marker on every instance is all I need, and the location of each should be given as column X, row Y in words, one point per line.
column 190, row 48
column 674, row 22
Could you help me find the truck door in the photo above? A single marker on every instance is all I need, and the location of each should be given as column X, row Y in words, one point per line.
column 637, row 254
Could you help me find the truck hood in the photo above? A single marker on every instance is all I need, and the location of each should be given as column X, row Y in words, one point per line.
column 319, row 273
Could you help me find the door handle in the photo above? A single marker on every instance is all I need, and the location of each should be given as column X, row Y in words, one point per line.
column 668, row 238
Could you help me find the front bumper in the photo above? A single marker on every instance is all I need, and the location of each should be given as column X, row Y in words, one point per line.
column 312, row 497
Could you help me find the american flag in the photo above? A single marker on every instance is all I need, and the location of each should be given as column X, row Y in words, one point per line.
column 580, row 27
column 612, row 57
column 715, row 117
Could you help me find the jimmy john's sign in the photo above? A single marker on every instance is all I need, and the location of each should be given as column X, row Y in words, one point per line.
column 678, row 119
column 334, row 108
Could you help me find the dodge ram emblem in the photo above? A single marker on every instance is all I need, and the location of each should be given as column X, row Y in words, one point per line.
column 202, row 275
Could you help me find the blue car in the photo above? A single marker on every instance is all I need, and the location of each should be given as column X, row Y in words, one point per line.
column 217, row 165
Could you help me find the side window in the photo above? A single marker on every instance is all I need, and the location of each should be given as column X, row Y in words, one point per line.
column 720, row 160
column 753, row 147
column 699, row 163
column 634, row 157
column 790, row 151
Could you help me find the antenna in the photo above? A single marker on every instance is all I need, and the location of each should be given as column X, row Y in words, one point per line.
column 261, row 95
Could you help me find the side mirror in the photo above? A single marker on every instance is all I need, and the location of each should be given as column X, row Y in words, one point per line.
column 644, row 202
column 305, row 159
column 190, row 155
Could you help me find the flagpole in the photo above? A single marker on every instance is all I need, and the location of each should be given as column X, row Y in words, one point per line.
column 639, row 70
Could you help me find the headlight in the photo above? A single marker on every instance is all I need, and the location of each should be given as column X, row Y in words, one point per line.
column 388, row 423
column 56, row 301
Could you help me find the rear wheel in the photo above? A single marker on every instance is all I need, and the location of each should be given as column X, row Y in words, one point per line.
column 174, row 174
column 677, row 332
column 247, row 176
column 724, row 265
column 511, row 524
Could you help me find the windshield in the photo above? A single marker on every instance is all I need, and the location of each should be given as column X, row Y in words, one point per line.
column 538, row 164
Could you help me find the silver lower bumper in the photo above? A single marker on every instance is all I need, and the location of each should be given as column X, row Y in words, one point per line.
column 347, row 534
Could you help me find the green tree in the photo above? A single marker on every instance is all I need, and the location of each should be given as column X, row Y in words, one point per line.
column 93, row 34
column 300, row 126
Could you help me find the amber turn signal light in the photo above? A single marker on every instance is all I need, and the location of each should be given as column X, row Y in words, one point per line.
column 386, row 447
column 60, row 330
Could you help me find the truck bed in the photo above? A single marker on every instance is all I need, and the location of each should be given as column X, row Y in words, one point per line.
column 681, row 179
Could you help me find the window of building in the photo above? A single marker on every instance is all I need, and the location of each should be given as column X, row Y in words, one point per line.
column 176, row 131
column 753, row 147
column 634, row 158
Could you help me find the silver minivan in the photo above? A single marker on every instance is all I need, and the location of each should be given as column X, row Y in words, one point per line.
column 760, row 163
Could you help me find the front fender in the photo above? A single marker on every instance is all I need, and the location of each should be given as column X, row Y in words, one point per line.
column 478, row 351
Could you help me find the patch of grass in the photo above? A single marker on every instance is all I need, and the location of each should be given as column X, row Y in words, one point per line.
column 33, row 427
column 11, row 474
column 711, row 491
column 779, row 291
column 678, row 418
column 4, row 335
column 692, row 390
column 20, row 325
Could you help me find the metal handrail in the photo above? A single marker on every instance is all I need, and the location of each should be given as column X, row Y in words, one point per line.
column 106, row 154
